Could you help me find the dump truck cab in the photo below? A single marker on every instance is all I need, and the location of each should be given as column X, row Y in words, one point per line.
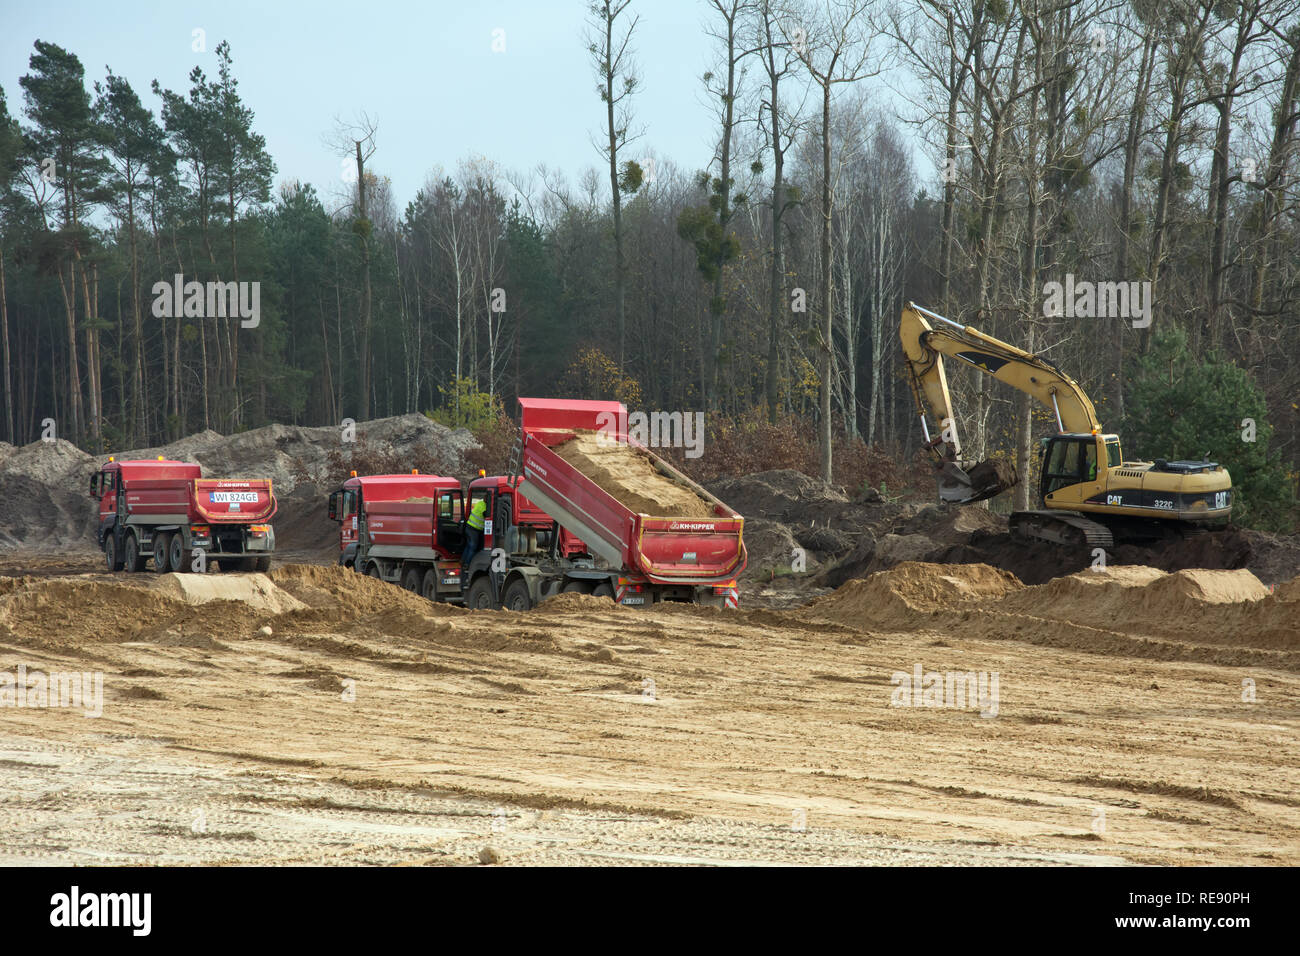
column 514, row 523
column 109, row 486
column 406, row 529
column 390, row 511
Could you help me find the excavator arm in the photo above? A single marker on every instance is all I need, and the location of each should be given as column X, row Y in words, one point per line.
column 925, row 345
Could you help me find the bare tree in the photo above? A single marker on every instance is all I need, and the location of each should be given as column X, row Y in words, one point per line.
column 836, row 52
column 779, row 125
column 358, row 139
column 609, row 45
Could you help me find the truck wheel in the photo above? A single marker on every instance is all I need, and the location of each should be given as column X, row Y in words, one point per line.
column 603, row 589
column 429, row 586
column 112, row 557
column 518, row 597
column 572, row 586
column 135, row 561
column 262, row 562
column 178, row 557
column 479, row 596
column 373, row 571
column 161, row 544
column 411, row 579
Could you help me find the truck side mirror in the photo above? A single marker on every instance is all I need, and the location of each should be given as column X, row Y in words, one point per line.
column 334, row 506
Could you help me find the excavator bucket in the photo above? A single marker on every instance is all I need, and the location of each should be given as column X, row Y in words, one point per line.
column 985, row 480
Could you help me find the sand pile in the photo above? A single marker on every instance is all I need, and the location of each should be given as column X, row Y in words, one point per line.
column 1289, row 591
column 43, row 497
column 85, row 610
column 1128, row 597
column 253, row 590
column 628, row 476
column 1225, row 617
column 332, row 586
column 911, row 590
column 75, row 611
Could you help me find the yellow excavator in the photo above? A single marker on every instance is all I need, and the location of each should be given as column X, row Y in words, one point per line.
column 1088, row 493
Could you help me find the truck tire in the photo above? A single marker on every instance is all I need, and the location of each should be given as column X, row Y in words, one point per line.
column 575, row 585
column 162, row 542
column 429, row 586
column 411, row 578
column 262, row 563
column 112, row 557
column 373, row 571
column 517, row 596
column 479, row 596
column 133, row 560
column 178, row 556
column 603, row 589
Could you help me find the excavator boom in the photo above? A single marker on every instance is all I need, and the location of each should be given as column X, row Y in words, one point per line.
column 925, row 345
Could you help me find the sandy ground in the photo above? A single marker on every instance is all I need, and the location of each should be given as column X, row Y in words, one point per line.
column 372, row 727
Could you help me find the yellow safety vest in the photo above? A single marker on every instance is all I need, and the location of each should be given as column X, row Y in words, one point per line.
column 477, row 514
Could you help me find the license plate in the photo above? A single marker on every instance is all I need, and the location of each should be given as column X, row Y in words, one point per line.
column 633, row 600
column 232, row 497
column 451, row 580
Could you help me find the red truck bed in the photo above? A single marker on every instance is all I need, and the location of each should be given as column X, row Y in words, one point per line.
column 665, row 548
column 174, row 491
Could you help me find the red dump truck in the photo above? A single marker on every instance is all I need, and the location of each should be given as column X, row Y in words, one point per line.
column 550, row 527
column 166, row 510
column 403, row 528
column 407, row 529
column 656, row 534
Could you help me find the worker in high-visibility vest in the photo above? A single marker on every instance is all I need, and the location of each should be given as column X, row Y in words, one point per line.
column 474, row 531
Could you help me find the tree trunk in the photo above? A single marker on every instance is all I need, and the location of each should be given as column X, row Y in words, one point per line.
column 828, row 291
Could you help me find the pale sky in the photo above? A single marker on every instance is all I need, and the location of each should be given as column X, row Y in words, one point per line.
column 425, row 70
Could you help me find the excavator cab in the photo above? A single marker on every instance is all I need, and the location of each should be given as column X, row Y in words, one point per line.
column 1067, row 460
column 1073, row 459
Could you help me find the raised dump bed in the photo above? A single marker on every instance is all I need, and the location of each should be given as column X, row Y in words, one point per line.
column 633, row 509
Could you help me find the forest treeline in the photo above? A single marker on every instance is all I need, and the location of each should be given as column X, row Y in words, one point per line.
column 1077, row 141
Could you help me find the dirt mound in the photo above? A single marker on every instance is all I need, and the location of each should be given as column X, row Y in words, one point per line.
column 783, row 494
column 1221, row 617
column 809, row 507
column 950, row 525
column 911, row 590
column 254, row 590
column 1036, row 562
column 1127, row 597
column 1288, row 591
column 1186, row 608
column 772, row 552
column 349, row 595
column 586, row 603
column 63, row 611
column 628, row 476
column 912, row 534
column 1274, row 558
column 303, row 530
column 43, row 497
